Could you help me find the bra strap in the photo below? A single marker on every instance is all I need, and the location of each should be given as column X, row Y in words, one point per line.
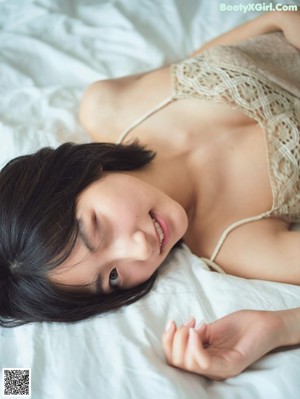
column 161, row 105
column 213, row 265
column 234, row 226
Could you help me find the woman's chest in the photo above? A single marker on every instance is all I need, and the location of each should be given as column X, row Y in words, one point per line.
column 226, row 153
column 228, row 160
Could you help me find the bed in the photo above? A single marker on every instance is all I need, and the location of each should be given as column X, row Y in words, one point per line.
column 50, row 50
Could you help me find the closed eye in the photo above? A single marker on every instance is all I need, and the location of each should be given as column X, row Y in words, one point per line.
column 88, row 233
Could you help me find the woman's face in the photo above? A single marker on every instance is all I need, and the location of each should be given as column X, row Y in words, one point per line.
column 127, row 228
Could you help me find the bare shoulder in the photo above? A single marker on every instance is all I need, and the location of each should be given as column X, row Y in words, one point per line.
column 97, row 106
column 109, row 106
column 265, row 250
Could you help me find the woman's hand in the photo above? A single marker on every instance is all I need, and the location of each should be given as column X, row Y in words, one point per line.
column 225, row 347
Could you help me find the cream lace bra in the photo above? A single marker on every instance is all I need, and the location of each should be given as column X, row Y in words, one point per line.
column 262, row 95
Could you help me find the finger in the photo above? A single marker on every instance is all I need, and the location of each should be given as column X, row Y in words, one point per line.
column 189, row 323
column 180, row 342
column 196, row 347
column 203, row 332
column 167, row 340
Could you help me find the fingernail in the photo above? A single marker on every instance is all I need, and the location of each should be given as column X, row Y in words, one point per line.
column 189, row 321
column 169, row 326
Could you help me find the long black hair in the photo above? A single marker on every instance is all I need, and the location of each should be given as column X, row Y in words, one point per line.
column 38, row 230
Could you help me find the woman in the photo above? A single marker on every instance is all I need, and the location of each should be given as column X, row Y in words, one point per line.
column 209, row 184
column 214, row 158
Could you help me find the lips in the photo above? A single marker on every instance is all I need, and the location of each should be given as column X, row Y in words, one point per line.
column 161, row 229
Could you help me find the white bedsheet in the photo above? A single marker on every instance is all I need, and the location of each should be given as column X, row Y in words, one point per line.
column 50, row 50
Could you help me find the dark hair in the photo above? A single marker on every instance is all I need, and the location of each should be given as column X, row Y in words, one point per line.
column 38, row 230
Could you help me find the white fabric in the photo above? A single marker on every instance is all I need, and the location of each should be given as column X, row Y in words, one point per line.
column 50, row 50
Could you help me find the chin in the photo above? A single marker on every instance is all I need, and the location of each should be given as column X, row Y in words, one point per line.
column 178, row 244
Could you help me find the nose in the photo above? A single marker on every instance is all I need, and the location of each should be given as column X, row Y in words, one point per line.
column 136, row 246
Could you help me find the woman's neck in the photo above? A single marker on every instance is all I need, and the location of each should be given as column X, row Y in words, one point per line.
column 173, row 176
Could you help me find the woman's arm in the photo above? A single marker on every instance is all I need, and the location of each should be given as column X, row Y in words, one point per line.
column 226, row 347
column 286, row 21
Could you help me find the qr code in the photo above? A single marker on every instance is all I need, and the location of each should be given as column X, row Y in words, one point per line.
column 16, row 382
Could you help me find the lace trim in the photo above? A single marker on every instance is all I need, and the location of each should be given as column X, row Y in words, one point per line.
column 273, row 108
column 277, row 112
